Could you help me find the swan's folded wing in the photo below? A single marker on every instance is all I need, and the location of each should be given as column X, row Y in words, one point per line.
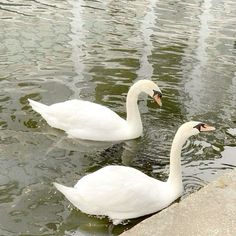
column 120, row 191
column 81, row 115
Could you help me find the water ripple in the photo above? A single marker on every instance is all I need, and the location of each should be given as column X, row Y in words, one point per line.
column 56, row 50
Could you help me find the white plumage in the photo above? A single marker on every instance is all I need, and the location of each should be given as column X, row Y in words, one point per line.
column 121, row 192
column 91, row 121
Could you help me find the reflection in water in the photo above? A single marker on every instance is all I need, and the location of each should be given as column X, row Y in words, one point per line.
column 63, row 50
column 204, row 33
column 232, row 131
column 232, row 101
column 209, row 69
column 228, row 157
column 71, row 144
column 14, row 8
column 197, row 83
column 90, row 225
column 146, row 68
column 77, row 43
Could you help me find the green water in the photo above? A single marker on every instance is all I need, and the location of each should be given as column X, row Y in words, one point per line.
column 52, row 51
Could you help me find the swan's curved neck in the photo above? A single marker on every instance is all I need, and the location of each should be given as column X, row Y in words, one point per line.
column 175, row 176
column 133, row 115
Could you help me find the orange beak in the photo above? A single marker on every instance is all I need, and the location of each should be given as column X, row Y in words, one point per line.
column 157, row 98
column 206, row 127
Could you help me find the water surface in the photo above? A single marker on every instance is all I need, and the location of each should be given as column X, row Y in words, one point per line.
column 52, row 51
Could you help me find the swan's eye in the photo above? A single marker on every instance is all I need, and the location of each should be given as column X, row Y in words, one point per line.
column 198, row 126
column 157, row 93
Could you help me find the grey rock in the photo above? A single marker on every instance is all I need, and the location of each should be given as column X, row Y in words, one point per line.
column 210, row 211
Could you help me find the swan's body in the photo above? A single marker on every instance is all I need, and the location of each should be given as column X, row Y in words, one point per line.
column 121, row 192
column 91, row 121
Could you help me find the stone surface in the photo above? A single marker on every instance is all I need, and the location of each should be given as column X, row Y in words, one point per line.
column 210, row 211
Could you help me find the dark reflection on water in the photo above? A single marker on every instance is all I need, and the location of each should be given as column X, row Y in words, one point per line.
column 55, row 50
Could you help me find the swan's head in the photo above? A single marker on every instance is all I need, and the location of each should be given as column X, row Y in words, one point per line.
column 194, row 127
column 149, row 87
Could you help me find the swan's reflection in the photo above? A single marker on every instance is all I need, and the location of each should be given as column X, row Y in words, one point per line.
column 91, row 225
column 126, row 150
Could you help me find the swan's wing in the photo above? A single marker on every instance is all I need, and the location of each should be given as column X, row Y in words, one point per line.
column 121, row 191
column 82, row 117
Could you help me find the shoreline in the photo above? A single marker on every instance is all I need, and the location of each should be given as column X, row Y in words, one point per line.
column 209, row 211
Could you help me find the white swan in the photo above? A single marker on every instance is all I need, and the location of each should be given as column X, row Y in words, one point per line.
column 91, row 121
column 121, row 192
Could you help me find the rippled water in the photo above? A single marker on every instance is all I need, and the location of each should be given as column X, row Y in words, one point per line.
column 54, row 50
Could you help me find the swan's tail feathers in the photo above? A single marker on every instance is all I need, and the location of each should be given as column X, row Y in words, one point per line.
column 70, row 193
column 37, row 106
